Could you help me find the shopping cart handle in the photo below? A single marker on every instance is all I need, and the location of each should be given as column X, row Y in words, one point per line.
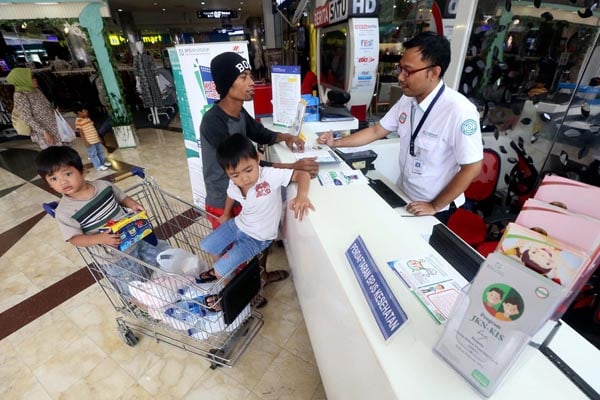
column 137, row 171
column 50, row 208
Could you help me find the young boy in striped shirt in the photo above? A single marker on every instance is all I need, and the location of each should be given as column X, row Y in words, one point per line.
column 91, row 139
column 86, row 206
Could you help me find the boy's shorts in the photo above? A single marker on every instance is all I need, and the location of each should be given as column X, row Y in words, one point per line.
column 244, row 247
column 217, row 212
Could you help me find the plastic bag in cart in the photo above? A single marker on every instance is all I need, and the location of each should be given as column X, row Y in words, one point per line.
column 179, row 261
column 160, row 291
column 127, row 269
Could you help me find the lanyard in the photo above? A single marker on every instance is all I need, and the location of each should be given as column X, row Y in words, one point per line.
column 413, row 136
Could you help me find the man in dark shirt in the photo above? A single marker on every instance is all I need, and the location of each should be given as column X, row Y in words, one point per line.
column 233, row 80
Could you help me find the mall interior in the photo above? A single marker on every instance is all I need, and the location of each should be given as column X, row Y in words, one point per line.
column 532, row 69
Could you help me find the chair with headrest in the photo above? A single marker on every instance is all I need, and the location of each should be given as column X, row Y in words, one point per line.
column 466, row 222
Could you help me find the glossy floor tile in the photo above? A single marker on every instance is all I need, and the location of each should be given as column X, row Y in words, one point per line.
column 73, row 350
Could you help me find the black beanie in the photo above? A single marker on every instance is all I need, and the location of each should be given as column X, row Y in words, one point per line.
column 225, row 68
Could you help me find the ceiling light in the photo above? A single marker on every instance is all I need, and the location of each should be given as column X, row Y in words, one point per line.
column 241, row 3
column 202, row 3
column 120, row 10
column 164, row 9
column 155, row 4
column 239, row 8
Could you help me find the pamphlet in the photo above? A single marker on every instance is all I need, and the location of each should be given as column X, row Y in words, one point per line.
column 341, row 178
column 296, row 127
column 491, row 324
column 571, row 195
column 435, row 286
column 285, row 84
column 545, row 255
column 323, row 154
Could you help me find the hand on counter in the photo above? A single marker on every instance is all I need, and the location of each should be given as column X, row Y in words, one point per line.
column 294, row 142
column 420, row 208
column 300, row 206
column 308, row 164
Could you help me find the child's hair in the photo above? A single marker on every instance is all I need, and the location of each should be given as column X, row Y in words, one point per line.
column 77, row 107
column 526, row 258
column 51, row 159
column 233, row 149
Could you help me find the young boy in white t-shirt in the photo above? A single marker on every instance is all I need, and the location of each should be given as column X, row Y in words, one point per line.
column 258, row 190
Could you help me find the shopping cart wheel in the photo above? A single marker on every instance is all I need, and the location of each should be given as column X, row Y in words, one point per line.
column 217, row 352
column 128, row 337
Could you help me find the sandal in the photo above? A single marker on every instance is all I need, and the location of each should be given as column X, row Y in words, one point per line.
column 261, row 303
column 212, row 302
column 276, row 276
column 207, row 276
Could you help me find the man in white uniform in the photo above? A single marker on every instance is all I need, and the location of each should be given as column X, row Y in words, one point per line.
column 440, row 138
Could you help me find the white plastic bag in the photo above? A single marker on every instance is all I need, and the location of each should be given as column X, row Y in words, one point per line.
column 179, row 261
column 65, row 132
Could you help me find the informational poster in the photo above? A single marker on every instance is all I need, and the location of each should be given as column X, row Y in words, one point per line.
column 435, row 284
column 285, row 84
column 365, row 35
column 196, row 94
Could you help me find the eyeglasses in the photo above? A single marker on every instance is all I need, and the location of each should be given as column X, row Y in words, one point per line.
column 406, row 73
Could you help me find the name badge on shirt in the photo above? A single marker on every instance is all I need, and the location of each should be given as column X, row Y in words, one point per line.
column 417, row 166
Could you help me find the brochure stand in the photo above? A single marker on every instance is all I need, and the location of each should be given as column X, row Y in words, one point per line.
column 492, row 323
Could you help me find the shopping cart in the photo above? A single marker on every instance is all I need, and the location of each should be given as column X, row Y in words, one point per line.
column 169, row 306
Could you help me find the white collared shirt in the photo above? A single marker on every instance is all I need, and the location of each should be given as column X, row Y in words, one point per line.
column 449, row 138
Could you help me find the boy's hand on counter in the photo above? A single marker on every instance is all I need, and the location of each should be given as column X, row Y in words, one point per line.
column 300, row 206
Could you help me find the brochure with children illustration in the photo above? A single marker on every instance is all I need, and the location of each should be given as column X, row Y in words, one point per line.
column 575, row 229
column 435, row 285
column 491, row 324
column 545, row 255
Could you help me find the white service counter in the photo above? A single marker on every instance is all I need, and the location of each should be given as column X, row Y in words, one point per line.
column 355, row 362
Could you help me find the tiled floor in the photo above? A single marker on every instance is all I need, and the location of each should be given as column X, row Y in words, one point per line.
column 73, row 351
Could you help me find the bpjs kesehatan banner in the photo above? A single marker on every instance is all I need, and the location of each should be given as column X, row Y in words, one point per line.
column 196, row 94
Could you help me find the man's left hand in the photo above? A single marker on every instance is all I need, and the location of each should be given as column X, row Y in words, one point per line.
column 420, row 208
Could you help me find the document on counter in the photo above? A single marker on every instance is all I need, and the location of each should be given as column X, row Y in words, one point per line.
column 434, row 284
column 323, row 154
column 341, row 178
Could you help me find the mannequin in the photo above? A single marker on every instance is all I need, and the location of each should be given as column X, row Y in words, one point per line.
column 147, row 86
